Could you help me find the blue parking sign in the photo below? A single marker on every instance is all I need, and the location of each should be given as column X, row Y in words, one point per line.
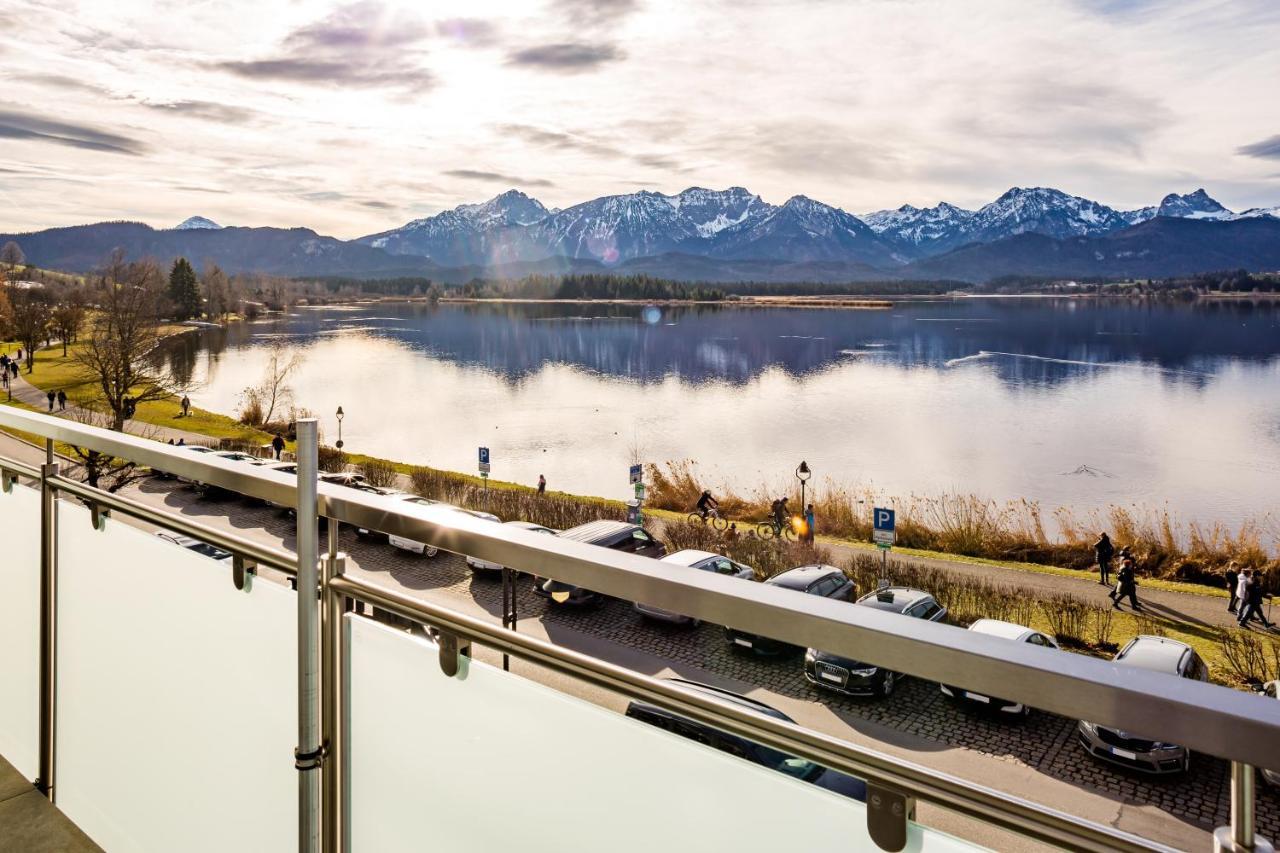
column 882, row 523
column 484, row 456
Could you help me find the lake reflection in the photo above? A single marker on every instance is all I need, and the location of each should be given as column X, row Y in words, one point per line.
column 1166, row 404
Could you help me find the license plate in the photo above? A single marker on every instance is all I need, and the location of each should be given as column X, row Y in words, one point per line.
column 977, row 697
column 832, row 677
column 1124, row 753
column 742, row 642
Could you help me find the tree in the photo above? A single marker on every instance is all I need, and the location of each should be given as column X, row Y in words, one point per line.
column 184, row 290
column 217, row 291
column 261, row 400
column 101, row 470
column 6, row 310
column 67, row 317
column 116, row 350
column 11, row 255
column 32, row 310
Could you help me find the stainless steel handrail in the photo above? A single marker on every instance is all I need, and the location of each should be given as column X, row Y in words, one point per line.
column 985, row 804
column 1207, row 718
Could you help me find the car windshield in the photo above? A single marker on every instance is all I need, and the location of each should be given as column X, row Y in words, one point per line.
column 208, row 550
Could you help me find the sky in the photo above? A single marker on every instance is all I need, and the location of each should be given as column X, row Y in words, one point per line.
column 355, row 117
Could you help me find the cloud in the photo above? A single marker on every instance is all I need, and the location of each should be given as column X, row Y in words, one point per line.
column 372, row 74
column 565, row 141
column 471, row 32
column 366, row 25
column 595, row 12
column 378, row 205
column 15, row 124
column 565, row 57
column 497, row 177
column 60, row 81
column 1267, row 149
column 223, row 113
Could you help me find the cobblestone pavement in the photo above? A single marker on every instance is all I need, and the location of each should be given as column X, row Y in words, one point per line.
column 1045, row 742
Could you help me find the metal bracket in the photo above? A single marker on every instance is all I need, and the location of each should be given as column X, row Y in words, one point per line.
column 98, row 514
column 888, row 811
column 313, row 760
column 241, row 570
column 452, row 647
column 7, row 479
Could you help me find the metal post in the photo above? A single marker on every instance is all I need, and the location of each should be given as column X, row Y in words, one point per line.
column 1240, row 836
column 508, row 609
column 333, row 691
column 48, row 624
column 309, row 754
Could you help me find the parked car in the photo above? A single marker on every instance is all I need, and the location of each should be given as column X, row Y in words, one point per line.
column 826, row 581
column 1271, row 775
column 765, row 756
column 1014, row 633
column 204, row 549
column 703, row 561
column 207, row 490
column 615, row 535
column 1138, row 751
column 855, row 678
column 486, row 566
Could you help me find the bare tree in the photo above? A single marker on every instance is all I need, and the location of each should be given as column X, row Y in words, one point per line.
column 262, row 400
column 32, row 309
column 101, row 470
column 217, row 290
column 117, row 350
column 67, row 317
column 11, row 255
column 6, row 310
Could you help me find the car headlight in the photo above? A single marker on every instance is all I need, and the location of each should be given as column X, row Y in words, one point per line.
column 1089, row 727
column 864, row 670
column 1164, row 746
column 810, row 656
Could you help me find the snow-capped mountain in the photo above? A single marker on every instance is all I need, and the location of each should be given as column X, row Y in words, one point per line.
column 196, row 222
column 712, row 211
column 1196, row 205
column 1042, row 210
column 490, row 232
column 803, row 230
column 1255, row 212
column 1142, row 214
column 917, row 230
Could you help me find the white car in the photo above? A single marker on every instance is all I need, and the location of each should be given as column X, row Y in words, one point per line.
column 431, row 550
column 1272, row 691
column 485, row 565
column 1009, row 631
column 202, row 548
column 703, row 561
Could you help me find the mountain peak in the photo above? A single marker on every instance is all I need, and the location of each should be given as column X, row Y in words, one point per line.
column 196, row 223
column 1193, row 205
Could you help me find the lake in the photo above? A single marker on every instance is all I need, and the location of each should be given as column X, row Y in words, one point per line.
column 1068, row 402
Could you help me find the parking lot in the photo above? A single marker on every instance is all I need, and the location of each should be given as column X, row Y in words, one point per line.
column 1188, row 805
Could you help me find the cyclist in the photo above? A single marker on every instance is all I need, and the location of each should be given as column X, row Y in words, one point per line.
column 780, row 514
column 707, row 504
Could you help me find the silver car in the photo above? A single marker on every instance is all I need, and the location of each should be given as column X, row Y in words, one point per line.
column 1009, row 631
column 1139, row 751
column 486, row 566
column 1272, row 691
column 703, row 561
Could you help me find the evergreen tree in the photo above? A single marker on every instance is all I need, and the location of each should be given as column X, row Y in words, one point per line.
column 184, row 290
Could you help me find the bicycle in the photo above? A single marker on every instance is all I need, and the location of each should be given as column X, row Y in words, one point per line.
column 771, row 529
column 713, row 518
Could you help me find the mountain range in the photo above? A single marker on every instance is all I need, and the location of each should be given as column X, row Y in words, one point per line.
column 724, row 235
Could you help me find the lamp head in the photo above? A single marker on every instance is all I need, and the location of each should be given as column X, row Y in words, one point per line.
column 340, row 413
column 803, row 472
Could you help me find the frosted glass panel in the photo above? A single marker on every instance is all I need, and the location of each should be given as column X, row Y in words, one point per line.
column 494, row 762
column 177, row 707
column 20, row 628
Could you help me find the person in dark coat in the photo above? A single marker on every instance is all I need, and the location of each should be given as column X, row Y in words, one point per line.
column 62, row 401
column 1103, row 551
column 542, row 484
column 1233, row 580
column 52, row 396
column 277, row 444
column 1251, row 605
column 1126, row 584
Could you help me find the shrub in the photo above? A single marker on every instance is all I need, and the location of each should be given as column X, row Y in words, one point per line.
column 1068, row 617
column 251, row 413
column 331, row 459
column 1101, row 624
column 1246, row 655
column 379, row 473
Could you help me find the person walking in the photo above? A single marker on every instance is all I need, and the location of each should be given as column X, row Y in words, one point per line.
column 1251, row 601
column 731, row 535
column 186, row 406
column 1233, row 579
column 182, row 442
column 52, row 396
column 277, row 444
column 1242, row 591
column 1103, row 551
column 62, row 400
column 808, row 524
column 1126, row 585
column 542, row 485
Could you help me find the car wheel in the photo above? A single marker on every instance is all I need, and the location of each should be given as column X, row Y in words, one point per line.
column 887, row 685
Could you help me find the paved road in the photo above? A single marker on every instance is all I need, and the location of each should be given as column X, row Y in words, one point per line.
column 1037, row 758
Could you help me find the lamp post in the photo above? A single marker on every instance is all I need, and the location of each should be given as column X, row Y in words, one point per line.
column 803, row 474
column 340, row 413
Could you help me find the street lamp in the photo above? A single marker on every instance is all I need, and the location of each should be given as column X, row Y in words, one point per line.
column 803, row 474
column 339, row 445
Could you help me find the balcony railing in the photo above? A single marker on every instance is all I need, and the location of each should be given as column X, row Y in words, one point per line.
column 166, row 701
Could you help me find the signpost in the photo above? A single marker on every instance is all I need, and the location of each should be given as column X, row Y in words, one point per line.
column 883, row 533
column 484, row 474
column 636, row 475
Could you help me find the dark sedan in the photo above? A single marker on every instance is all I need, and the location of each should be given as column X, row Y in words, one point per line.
column 826, row 581
column 614, row 535
column 798, row 768
column 855, row 678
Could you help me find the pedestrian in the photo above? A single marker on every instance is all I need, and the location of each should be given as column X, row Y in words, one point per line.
column 277, row 444
column 1242, row 591
column 542, row 485
column 808, row 524
column 171, row 441
column 186, row 406
column 1233, row 579
column 1251, row 602
column 52, row 396
column 13, row 367
column 19, row 353
column 182, row 442
column 1126, row 585
column 1103, row 551
column 731, row 535
column 62, row 400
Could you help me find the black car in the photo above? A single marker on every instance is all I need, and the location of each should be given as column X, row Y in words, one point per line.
column 798, row 768
column 615, row 535
column 855, row 678
column 826, row 581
